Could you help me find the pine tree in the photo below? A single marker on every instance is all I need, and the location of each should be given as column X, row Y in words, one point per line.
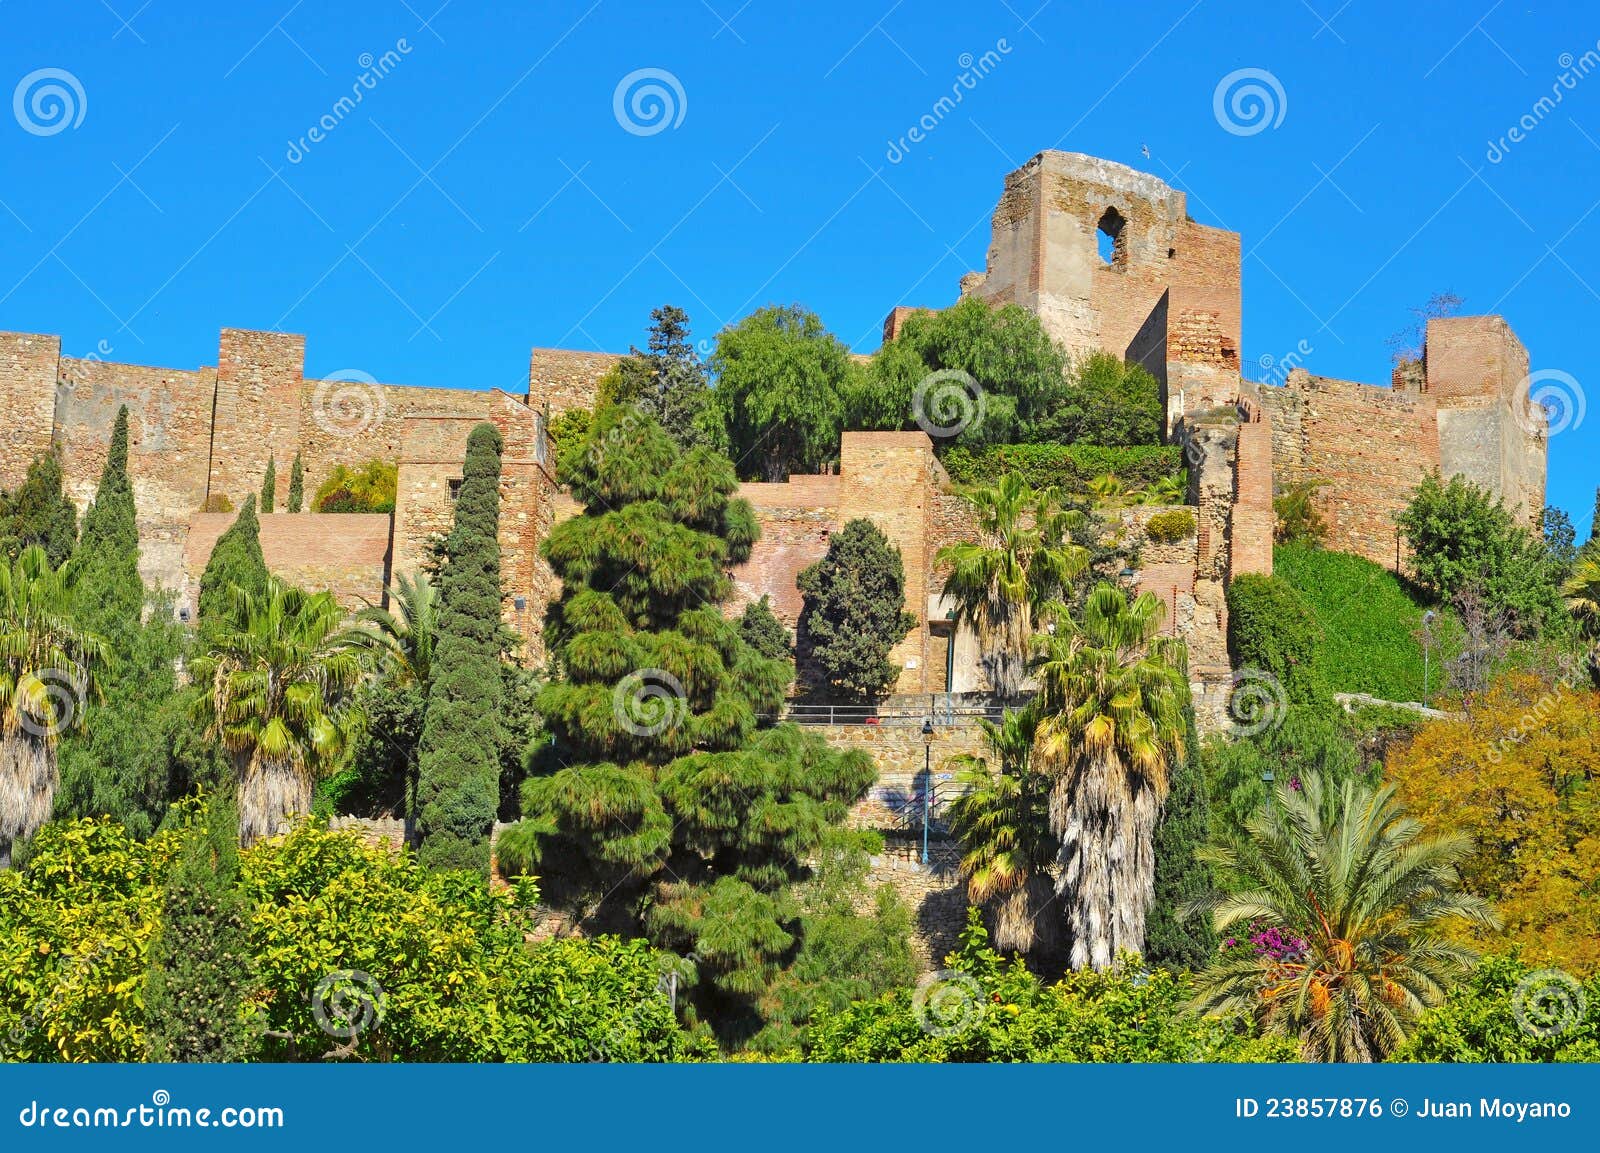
column 855, row 611
column 659, row 783
column 1175, row 937
column 38, row 513
column 458, row 785
column 111, row 595
column 269, row 486
column 669, row 380
column 200, row 959
column 297, row 485
column 764, row 632
column 236, row 561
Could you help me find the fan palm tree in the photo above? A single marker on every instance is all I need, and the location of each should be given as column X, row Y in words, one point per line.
column 1366, row 899
column 1112, row 697
column 276, row 686
column 48, row 669
column 1002, row 817
column 1165, row 490
column 404, row 635
column 1000, row 583
column 1582, row 591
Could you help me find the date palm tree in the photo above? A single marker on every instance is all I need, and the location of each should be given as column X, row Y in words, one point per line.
column 1112, row 699
column 1582, row 593
column 49, row 667
column 1365, row 901
column 1000, row 583
column 1002, row 818
column 276, row 690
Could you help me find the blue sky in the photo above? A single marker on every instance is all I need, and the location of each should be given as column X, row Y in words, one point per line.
column 484, row 197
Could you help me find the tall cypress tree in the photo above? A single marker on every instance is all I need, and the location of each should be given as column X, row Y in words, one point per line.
column 297, row 485
column 236, row 561
column 1174, row 937
column 120, row 762
column 110, row 591
column 269, row 486
column 39, row 513
column 458, row 768
column 200, row 959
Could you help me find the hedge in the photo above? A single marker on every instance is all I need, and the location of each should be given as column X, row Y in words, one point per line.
column 1066, row 466
column 1272, row 628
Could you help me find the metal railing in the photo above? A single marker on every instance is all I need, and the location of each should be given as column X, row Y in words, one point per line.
column 937, row 708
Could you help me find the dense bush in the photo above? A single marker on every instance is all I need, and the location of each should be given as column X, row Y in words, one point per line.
column 1272, row 628
column 1069, row 467
column 1170, row 526
column 982, row 1008
column 1107, row 401
column 1559, row 1019
column 370, row 488
column 1371, row 625
column 443, row 962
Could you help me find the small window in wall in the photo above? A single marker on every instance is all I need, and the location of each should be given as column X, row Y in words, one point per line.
column 455, row 488
column 1108, row 237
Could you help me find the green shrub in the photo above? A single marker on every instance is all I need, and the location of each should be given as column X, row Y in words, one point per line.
column 1070, row 467
column 1168, row 527
column 1371, row 623
column 1272, row 628
column 370, row 488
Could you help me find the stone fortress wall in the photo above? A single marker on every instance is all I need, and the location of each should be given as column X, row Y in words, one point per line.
column 1168, row 298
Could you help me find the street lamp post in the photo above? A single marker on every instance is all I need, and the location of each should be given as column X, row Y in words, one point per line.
column 927, row 783
column 1427, row 645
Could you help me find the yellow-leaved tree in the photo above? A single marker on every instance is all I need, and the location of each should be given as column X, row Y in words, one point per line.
column 1520, row 775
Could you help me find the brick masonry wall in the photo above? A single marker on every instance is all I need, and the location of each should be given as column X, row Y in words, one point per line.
column 1367, row 446
column 560, row 379
column 344, row 552
column 257, row 413
column 28, row 396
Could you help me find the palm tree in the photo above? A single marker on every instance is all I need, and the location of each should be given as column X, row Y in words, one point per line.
column 1002, row 817
column 48, row 669
column 1112, row 698
column 1001, row 583
column 1364, row 900
column 1582, row 591
column 404, row 636
column 277, row 684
